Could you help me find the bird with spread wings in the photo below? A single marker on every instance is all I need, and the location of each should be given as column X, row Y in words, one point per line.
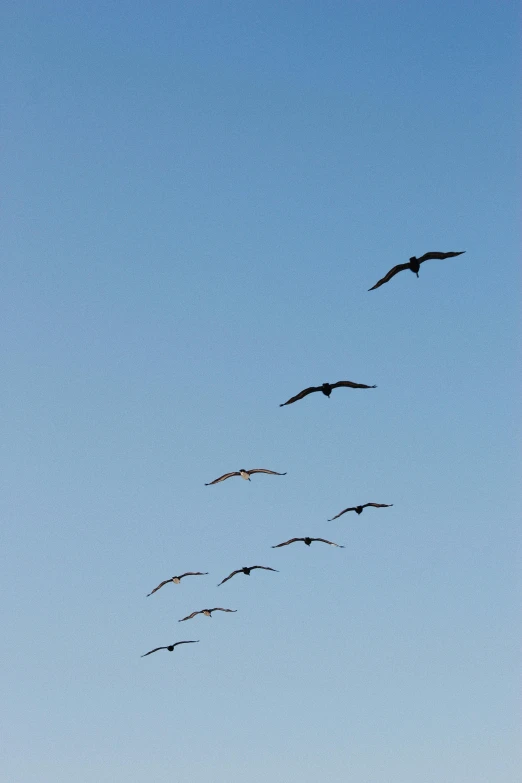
column 177, row 579
column 170, row 647
column 206, row 612
column 413, row 265
column 359, row 509
column 245, row 570
column 326, row 389
column 245, row 474
column 307, row 540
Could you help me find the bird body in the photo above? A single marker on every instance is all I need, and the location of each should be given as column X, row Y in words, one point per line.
column 326, row 389
column 170, row 647
column 414, row 265
column 307, row 540
column 245, row 570
column 245, row 474
column 177, row 579
column 359, row 509
column 206, row 612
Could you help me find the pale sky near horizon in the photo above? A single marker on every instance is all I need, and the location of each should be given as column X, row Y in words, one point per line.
column 196, row 199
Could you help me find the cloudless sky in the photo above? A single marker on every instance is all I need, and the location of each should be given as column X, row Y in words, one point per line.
column 196, row 198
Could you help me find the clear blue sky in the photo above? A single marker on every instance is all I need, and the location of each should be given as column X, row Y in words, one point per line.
column 196, row 198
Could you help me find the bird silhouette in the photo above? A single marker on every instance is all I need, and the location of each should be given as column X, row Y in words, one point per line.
column 245, row 474
column 326, row 389
column 206, row 612
column 245, row 570
column 170, row 647
column 413, row 265
column 359, row 509
column 307, row 540
column 177, row 579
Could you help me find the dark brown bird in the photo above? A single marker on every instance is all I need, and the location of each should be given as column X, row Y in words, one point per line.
column 177, row 579
column 244, row 474
column 413, row 265
column 245, row 570
column 326, row 389
column 359, row 509
column 307, row 540
column 170, row 647
column 206, row 612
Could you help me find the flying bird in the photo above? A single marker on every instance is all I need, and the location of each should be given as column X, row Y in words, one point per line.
column 177, row 579
column 244, row 474
column 326, row 389
column 245, row 570
column 206, row 612
column 359, row 509
column 413, row 265
column 307, row 540
column 170, row 647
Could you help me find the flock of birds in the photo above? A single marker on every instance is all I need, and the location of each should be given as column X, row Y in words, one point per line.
column 326, row 388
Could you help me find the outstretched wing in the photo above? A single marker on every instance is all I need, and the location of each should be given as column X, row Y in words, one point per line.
column 158, row 587
column 230, row 576
column 440, row 256
column 378, row 505
column 154, row 650
column 222, row 478
column 189, row 641
column 352, row 385
column 301, row 395
column 193, row 573
column 391, row 273
column 220, row 609
column 265, row 568
column 341, row 513
column 190, row 616
column 264, row 470
column 325, row 541
column 285, row 543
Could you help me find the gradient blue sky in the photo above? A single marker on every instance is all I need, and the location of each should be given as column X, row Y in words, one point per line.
column 197, row 196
